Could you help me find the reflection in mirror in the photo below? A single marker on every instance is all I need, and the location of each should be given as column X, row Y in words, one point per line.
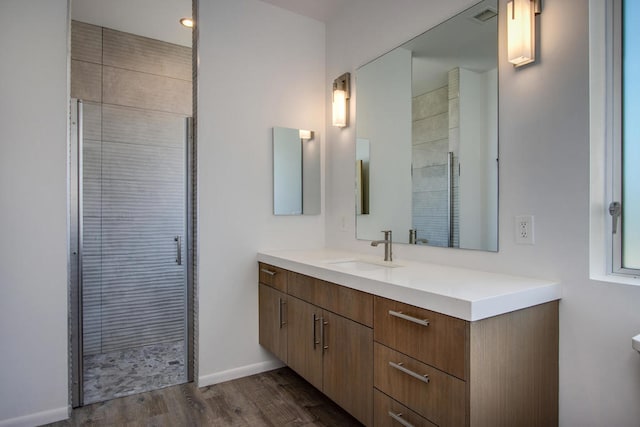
column 428, row 111
column 362, row 177
column 296, row 172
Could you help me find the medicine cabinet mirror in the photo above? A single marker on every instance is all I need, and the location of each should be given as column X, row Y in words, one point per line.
column 296, row 172
column 427, row 136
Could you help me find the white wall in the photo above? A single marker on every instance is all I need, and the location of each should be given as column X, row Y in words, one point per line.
column 478, row 168
column 260, row 66
column 385, row 111
column 544, row 171
column 33, row 194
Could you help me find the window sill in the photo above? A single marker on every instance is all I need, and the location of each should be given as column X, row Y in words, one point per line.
column 619, row 279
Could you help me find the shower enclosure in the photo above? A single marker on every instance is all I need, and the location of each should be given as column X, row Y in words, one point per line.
column 130, row 214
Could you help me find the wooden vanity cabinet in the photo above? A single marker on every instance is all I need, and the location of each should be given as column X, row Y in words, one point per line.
column 325, row 342
column 498, row 371
column 420, row 367
column 272, row 310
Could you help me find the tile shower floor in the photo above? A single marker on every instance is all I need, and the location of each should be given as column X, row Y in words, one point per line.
column 135, row 370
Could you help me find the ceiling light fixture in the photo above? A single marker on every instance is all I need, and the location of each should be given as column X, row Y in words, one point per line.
column 187, row 22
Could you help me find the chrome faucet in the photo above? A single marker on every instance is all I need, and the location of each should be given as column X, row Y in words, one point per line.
column 388, row 256
column 413, row 237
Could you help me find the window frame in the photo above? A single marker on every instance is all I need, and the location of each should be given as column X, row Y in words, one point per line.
column 605, row 92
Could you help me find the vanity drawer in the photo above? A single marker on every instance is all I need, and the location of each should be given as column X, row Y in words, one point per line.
column 275, row 277
column 303, row 287
column 350, row 303
column 440, row 398
column 389, row 413
column 442, row 343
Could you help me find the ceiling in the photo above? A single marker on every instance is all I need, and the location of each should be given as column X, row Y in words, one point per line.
column 320, row 10
column 156, row 19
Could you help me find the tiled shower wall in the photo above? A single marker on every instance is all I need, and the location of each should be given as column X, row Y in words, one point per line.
column 435, row 134
column 136, row 93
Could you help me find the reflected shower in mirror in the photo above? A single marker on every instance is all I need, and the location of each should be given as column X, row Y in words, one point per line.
column 296, row 172
column 428, row 111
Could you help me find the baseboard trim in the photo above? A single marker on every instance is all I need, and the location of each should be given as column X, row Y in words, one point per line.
column 37, row 419
column 243, row 371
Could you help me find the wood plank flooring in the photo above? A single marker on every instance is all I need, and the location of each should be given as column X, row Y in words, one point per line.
column 275, row 398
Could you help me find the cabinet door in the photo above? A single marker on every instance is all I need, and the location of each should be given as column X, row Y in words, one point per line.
column 272, row 314
column 348, row 365
column 304, row 354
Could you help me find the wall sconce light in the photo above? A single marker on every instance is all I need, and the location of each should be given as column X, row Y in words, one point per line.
column 521, row 31
column 341, row 94
column 306, row 134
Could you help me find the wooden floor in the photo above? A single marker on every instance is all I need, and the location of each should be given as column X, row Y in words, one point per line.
column 276, row 398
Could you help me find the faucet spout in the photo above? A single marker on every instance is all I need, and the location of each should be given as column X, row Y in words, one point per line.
column 388, row 256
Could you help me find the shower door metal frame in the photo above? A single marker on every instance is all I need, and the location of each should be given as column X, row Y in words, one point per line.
column 76, row 246
column 75, row 249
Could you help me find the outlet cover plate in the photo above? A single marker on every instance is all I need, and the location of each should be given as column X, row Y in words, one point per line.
column 524, row 230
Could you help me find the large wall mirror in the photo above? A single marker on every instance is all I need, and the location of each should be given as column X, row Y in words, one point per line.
column 427, row 136
column 296, row 172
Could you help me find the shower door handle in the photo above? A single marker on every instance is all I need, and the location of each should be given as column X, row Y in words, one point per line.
column 178, row 240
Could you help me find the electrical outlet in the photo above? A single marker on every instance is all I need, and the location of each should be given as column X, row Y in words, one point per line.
column 524, row 230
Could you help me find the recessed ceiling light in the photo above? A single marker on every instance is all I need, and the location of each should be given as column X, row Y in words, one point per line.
column 187, row 22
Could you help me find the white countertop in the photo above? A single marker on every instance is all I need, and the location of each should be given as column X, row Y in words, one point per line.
column 459, row 292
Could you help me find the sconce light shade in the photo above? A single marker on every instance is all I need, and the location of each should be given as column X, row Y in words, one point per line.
column 306, row 134
column 341, row 89
column 521, row 31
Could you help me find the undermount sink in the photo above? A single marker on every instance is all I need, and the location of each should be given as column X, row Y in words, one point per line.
column 359, row 265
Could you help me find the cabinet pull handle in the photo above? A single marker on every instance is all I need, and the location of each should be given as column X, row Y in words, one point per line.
column 313, row 324
column 401, row 315
column 399, row 420
column 269, row 272
column 323, row 323
column 398, row 366
column 281, row 317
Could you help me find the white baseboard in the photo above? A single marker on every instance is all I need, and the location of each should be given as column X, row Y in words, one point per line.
column 37, row 419
column 243, row 371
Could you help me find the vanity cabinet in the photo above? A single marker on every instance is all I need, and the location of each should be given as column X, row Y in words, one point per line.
column 273, row 326
column 499, row 371
column 272, row 310
column 390, row 363
column 326, row 341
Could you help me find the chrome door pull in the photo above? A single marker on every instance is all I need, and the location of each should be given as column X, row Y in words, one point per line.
column 313, row 324
column 399, row 420
column 178, row 240
column 323, row 323
column 269, row 272
column 398, row 366
column 401, row 315
column 281, row 302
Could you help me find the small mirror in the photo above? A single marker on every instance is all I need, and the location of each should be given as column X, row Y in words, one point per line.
column 427, row 119
column 296, row 172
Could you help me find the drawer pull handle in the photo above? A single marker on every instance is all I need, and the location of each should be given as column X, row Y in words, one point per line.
column 398, row 366
column 269, row 272
column 401, row 315
column 399, row 420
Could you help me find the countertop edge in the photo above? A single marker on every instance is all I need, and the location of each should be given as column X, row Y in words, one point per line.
column 451, row 306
